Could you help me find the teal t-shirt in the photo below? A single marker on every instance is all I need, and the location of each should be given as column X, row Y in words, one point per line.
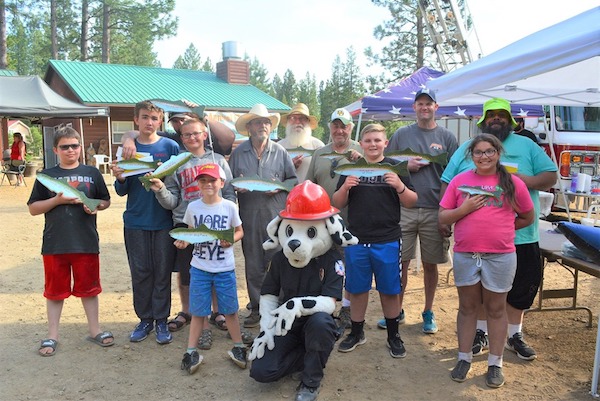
column 530, row 159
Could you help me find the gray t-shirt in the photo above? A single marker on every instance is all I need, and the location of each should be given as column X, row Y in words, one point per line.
column 434, row 141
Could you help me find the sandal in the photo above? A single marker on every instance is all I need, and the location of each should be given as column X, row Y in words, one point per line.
column 205, row 341
column 99, row 339
column 247, row 336
column 48, row 343
column 221, row 323
column 176, row 325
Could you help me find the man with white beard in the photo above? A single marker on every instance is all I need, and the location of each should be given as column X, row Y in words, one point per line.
column 299, row 125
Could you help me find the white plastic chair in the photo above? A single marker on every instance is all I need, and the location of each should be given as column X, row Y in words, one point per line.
column 102, row 161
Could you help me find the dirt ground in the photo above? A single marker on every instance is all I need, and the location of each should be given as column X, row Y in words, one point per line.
column 81, row 370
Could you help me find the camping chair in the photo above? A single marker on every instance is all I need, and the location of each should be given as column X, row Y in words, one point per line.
column 17, row 172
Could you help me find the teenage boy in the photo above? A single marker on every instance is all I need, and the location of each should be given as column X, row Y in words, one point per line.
column 74, row 254
column 213, row 265
column 374, row 218
column 147, row 242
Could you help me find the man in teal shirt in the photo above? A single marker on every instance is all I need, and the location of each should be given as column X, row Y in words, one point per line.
column 538, row 172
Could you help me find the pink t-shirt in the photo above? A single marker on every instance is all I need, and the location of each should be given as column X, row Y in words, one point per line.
column 490, row 229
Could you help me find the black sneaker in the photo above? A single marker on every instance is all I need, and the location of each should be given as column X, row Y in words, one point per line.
column 396, row 346
column 460, row 371
column 352, row 341
column 238, row 356
column 494, row 377
column 191, row 362
column 306, row 393
column 518, row 345
column 480, row 342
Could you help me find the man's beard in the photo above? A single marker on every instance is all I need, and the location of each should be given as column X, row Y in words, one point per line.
column 298, row 138
column 499, row 132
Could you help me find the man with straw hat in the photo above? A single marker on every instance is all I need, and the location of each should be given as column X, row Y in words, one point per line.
column 299, row 125
column 259, row 156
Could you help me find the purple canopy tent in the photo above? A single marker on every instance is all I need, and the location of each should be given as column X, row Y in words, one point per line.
column 395, row 102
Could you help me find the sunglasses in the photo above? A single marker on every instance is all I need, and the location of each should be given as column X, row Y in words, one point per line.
column 334, row 165
column 73, row 146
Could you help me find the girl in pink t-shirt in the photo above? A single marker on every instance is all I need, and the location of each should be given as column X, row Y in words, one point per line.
column 488, row 205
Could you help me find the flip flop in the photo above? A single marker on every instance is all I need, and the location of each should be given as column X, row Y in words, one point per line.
column 100, row 337
column 48, row 343
column 176, row 325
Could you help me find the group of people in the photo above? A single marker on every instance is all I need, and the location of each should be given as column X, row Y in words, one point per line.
column 497, row 275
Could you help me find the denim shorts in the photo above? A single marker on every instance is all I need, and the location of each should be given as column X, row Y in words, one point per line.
column 201, row 285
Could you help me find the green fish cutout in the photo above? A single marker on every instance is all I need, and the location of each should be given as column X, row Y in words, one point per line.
column 60, row 186
column 473, row 191
column 335, row 155
column 256, row 183
column 300, row 151
column 408, row 153
column 201, row 234
column 167, row 168
column 362, row 168
column 136, row 164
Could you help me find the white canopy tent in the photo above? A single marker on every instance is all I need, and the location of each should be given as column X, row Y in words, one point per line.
column 559, row 65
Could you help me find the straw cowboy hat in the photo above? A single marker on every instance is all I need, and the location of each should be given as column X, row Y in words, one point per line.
column 302, row 109
column 257, row 111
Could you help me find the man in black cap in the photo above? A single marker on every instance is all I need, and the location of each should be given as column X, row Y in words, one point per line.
column 425, row 137
column 520, row 130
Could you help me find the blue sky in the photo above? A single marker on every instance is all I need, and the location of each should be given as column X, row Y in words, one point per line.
column 306, row 35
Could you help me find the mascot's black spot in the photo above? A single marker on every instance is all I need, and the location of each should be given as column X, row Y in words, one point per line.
column 289, row 305
column 261, row 334
column 331, row 220
column 308, row 303
column 336, row 237
column 347, row 235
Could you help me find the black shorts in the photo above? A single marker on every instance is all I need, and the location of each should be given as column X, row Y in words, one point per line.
column 528, row 277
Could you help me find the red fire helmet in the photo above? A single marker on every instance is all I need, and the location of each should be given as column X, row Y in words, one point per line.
column 308, row 201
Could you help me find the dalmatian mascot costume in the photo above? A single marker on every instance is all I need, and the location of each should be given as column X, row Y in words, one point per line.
column 298, row 334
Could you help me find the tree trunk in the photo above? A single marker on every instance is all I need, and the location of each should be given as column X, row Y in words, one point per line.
column 420, row 40
column 3, row 60
column 106, row 33
column 53, row 39
column 84, row 30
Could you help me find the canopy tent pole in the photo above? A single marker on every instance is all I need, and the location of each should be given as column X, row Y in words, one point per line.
column 356, row 136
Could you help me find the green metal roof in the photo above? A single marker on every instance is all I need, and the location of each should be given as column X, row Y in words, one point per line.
column 8, row 73
column 116, row 84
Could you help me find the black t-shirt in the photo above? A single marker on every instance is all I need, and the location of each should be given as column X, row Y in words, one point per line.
column 528, row 134
column 68, row 228
column 374, row 208
column 322, row 276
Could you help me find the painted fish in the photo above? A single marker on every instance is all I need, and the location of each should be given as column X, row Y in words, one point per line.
column 136, row 164
column 408, row 153
column 60, row 186
column 300, row 151
column 362, row 168
column 167, row 168
column 256, row 183
column 335, row 155
column 201, row 234
column 480, row 191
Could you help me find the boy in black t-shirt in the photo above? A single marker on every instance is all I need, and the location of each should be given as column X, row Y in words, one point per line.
column 374, row 217
column 70, row 239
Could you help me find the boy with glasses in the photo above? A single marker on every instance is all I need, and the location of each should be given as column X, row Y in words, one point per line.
column 70, row 241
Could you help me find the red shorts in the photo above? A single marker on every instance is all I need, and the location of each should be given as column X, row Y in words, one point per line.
column 86, row 275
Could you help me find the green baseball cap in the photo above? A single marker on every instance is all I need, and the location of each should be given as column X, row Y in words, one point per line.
column 496, row 103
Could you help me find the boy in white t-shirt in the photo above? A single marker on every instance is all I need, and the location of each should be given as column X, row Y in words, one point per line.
column 213, row 265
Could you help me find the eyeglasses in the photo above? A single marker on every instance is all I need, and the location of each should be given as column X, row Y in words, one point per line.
column 334, row 165
column 261, row 121
column 73, row 146
column 298, row 117
column 487, row 152
column 191, row 134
